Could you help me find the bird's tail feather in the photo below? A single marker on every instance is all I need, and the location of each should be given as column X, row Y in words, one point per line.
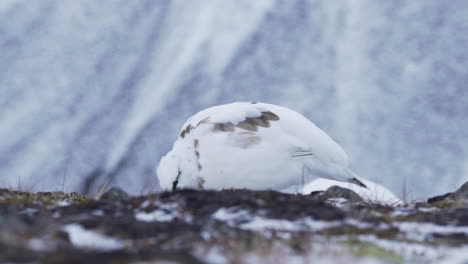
column 330, row 170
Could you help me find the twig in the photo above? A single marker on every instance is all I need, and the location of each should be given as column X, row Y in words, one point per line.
column 64, row 179
column 103, row 187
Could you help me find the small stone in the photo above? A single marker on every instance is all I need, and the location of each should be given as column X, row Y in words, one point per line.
column 115, row 194
column 339, row 192
column 438, row 198
column 315, row 193
column 461, row 216
column 461, row 193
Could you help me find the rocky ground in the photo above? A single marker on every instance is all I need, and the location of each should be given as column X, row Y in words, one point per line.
column 230, row 226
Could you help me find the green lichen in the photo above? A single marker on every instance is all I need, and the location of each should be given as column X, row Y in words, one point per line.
column 19, row 198
column 77, row 198
column 367, row 249
column 447, row 203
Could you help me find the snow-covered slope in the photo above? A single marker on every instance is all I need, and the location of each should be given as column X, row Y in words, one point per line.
column 91, row 88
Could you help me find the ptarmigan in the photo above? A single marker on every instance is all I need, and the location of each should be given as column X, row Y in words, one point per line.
column 251, row 145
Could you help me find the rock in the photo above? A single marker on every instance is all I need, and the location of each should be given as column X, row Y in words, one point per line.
column 461, row 193
column 461, row 216
column 438, row 198
column 316, row 193
column 339, row 192
column 184, row 226
column 115, row 194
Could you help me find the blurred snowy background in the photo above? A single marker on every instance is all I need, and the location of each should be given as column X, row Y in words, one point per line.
column 96, row 88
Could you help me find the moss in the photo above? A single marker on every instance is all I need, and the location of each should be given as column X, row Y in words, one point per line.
column 447, row 203
column 18, row 198
column 366, row 249
column 349, row 230
column 78, row 198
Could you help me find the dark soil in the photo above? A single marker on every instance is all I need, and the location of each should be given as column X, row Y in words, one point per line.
column 25, row 217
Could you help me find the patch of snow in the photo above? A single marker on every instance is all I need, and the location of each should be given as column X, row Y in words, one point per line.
column 428, row 209
column 402, row 211
column 167, row 206
column 284, row 235
column 231, row 214
column 156, row 216
column 373, row 193
column 339, row 202
column 145, row 204
column 420, row 231
column 305, row 224
column 165, row 212
column 319, row 251
column 245, row 220
column 83, row 238
column 212, row 254
column 63, row 203
column 363, row 225
column 97, row 212
column 458, row 256
column 206, row 235
column 29, row 211
column 260, row 223
column 442, row 254
column 39, row 245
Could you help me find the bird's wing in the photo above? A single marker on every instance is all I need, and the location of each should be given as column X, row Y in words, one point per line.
column 244, row 124
column 326, row 168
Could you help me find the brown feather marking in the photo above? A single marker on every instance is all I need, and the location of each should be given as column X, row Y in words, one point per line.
column 250, row 123
column 223, row 127
column 190, row 127
column 260, row 121
column 270, row 116
column 186, row 131
column 203, row 121
column 247, row 124
column 197, row 153
column 201, row 182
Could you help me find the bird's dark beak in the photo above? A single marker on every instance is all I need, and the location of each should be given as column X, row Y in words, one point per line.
column 358, row 182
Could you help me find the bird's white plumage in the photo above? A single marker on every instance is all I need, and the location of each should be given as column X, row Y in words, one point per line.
column 251, row 145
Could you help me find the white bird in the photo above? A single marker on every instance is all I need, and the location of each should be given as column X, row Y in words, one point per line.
column 251, row 145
